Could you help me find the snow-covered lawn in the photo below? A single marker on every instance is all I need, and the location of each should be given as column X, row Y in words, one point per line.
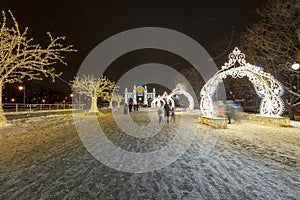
column 43, row 158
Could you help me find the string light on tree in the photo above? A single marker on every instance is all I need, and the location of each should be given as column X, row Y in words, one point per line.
column 20, row 58
column 93, row 88
column 117, row 98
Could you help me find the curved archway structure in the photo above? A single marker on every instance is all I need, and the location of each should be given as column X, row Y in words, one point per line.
column 180, row 91
column 168, row 99
column 266, row 86
column 158, row 102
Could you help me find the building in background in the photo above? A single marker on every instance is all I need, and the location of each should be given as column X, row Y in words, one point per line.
column 140, row 95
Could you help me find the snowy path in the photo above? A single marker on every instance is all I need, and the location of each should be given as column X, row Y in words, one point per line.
column 43, row 158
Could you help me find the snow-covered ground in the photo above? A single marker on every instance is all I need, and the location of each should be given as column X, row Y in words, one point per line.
column 295, row 123
column 44, row 158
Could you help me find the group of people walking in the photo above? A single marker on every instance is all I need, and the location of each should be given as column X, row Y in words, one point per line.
column 230, row 110
column 164, row 113
column 167, row 113
column 130, row 105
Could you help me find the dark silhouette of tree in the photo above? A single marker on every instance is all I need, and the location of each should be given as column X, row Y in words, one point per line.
column 274, row 43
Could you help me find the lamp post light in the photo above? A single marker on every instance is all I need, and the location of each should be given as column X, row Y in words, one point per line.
column 294, row 86
column 295, row 66
column 24, row 95
column 294, row 78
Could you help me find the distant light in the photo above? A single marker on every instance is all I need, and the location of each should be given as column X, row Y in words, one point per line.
column 294, row 87
column 43, row 100
column 13, row 100
column 295, row 66
column 71, row 95
column 20, row 87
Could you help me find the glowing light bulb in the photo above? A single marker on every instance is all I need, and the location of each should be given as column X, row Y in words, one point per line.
column 295, row 66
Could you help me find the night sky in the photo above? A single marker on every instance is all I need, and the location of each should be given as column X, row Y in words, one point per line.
column 87, row 23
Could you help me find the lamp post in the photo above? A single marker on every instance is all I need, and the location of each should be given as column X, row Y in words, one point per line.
column 24, row 96
column 294, row 78
column 294, row 86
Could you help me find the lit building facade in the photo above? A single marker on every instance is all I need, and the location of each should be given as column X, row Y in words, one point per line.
column 140, row 95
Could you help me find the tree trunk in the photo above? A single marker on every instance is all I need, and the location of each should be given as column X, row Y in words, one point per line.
column 291, row 110
column 3, row 120
column 94, row 107
column 110, row 104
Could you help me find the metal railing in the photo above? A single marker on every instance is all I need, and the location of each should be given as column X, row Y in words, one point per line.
column 19, row 107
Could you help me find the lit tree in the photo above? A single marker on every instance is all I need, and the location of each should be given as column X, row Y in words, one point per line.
column 20, row 59
column 117, row 98
column 274, row 43
column 93, row 87
column 112, row 96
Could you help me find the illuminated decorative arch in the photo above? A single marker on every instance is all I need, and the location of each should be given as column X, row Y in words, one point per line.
column 266, row 86
column 169, row 99
column 159, row 102
column 180, row 91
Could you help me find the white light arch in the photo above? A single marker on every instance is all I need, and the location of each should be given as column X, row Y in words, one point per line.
column 158, row 102
column 266, row 86
column 179, row 90
column 168, row 99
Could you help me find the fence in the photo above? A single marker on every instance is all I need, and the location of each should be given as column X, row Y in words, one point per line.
column 16, row 107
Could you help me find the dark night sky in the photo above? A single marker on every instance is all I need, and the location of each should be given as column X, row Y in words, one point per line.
column 88, row 23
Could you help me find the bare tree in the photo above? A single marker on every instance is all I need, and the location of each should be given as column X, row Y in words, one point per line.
column 20, row 59
column 274, row 43
column 93, row 87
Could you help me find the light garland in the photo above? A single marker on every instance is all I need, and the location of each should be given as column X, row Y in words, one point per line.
column 179, row 90
column 93, row 87
column 169, row 99
column 265, row 85
column 158, row 102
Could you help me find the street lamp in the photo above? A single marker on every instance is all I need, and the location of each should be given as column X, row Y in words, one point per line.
column 294, row 85
column 295, row 66
column 24, row 96
column 294, row 78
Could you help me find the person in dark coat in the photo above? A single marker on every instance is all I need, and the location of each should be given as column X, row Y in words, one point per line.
column 167, row 112
column 173, row 114
column 130, row 104
column 229, row 110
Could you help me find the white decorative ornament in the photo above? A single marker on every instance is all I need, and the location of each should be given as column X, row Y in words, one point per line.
column 179, row 90
column 265, row 85
column 168, row 99
column 158, row 102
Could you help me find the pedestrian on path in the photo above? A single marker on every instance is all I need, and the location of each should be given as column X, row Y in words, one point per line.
column 125, row 108
column 173, row 115
column 160, row 115
column 167, row 112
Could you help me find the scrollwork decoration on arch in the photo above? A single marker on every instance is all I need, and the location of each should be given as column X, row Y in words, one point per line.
column 265, row 85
